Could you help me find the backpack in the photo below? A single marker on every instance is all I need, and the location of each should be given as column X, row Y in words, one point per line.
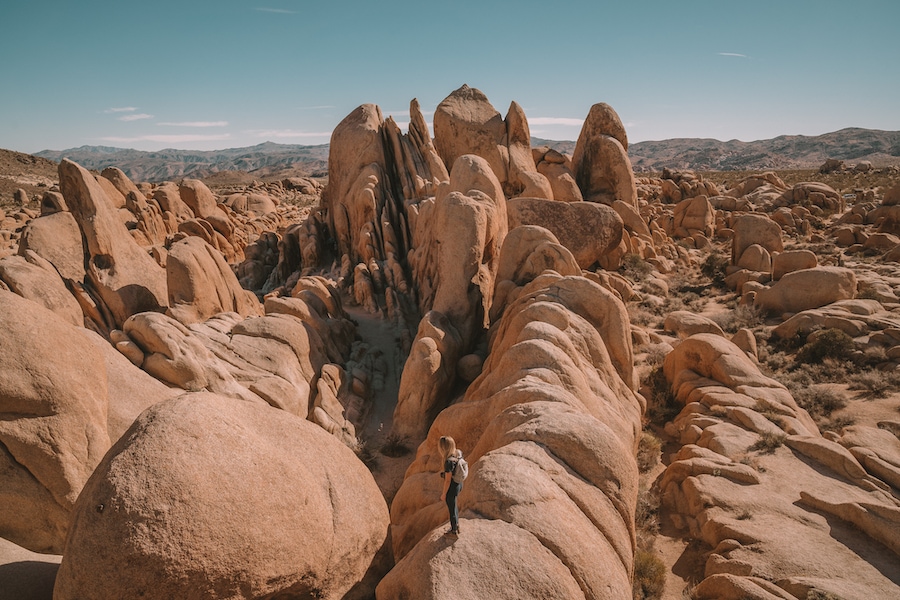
column 460, row 470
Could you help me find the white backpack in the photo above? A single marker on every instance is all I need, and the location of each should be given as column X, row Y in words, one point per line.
column 460, row 470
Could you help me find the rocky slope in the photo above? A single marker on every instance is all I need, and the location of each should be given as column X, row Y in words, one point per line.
column 665, row 386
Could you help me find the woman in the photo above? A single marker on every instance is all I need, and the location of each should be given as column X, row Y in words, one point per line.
column 447, row 448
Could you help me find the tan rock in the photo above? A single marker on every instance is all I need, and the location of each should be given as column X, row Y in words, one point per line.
column 562, row 181
column 26, row 575
column 587, row 229
column 198, row 197
column 792, row 260
column 201, row 284
column 465, row 122
column 126, row 278
column 32, row 277
column 602, row 169
column 756, row 258
column 153, row 524
column 808, row 288
column 684, row 324
column 752, row 229
column 54, row 395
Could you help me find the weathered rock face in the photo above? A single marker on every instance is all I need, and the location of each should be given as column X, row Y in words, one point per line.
column 201, row 284
column 126, row 279
column 808, row 288
column 32, row 277
column 152, row 524
column 455, row 265
column 587, row 229
column 198, row 197
column 553, row 393
column 56, row 238
column 787, row 510
column 53, row 393
column 600, row 161
column 752, row 229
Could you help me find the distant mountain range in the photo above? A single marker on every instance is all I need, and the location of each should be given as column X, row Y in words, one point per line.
column 263, row 161
column 269, row 160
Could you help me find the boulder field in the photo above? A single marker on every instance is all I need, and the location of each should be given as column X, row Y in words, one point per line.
column 194, row 379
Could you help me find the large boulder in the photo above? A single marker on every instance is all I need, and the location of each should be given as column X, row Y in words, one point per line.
column 207, row 496
column 465, row 122
column 53, row 395
column 587, row 229
column 126, row 278
column 807, row 288
column 752, row 229
column 198, row 197
column 34, row 278
column 57, row 238
column 201, row 284
column 600, row 161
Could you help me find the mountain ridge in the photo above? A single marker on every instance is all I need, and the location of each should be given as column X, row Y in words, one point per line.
column 269, row 159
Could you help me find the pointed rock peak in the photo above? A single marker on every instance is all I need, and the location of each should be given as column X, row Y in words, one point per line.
column 467, row 93
column 517, row 125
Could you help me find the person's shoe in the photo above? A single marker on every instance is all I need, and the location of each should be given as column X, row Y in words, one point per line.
column 453, row 532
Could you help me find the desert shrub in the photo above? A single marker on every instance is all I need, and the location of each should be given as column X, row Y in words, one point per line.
column 818, row 400
column 875, row 384
column 646, row 514
column 830, row 343
column 395, row 446
column 769, row 442
column 820, row 595
column 649, row 576
column 641, row 314
column 837, row 424
column 635, row 268
column 714, row 267
column 364, row 453
column 662, row 406
column 743, row 316
column 648, row 452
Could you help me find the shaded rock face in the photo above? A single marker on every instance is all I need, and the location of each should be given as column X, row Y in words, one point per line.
column 168, row 514
column 788, row 511
column 54, row 397
column 125, row 277
column 550, row 429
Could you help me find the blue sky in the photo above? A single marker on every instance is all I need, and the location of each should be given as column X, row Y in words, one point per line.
column 231, row 73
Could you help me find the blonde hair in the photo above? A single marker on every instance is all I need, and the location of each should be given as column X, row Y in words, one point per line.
column 447, row 446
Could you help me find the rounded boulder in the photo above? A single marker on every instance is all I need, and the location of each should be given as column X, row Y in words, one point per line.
column 207, row 496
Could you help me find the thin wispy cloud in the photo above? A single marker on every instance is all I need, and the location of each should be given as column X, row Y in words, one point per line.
column 287, row 133
column 556, row 121
column 121, row 109
column 735, row 54
column 194, row 124
column 135, row 117
column 277, row 11
column 168, row 139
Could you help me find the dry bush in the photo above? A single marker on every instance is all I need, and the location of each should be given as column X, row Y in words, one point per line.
column 818, row 400
column 713, row 267
column 742, row 317
column 662, row 406
column 769, row 442
column 837, row 424
column 649, row 449
column 875, row 384
column 635, row 268
column 365, row 454
column 649, row 576
column 395, row 446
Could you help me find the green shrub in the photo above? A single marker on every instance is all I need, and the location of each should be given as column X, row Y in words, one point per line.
column 649, row 576
column 830, row 343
